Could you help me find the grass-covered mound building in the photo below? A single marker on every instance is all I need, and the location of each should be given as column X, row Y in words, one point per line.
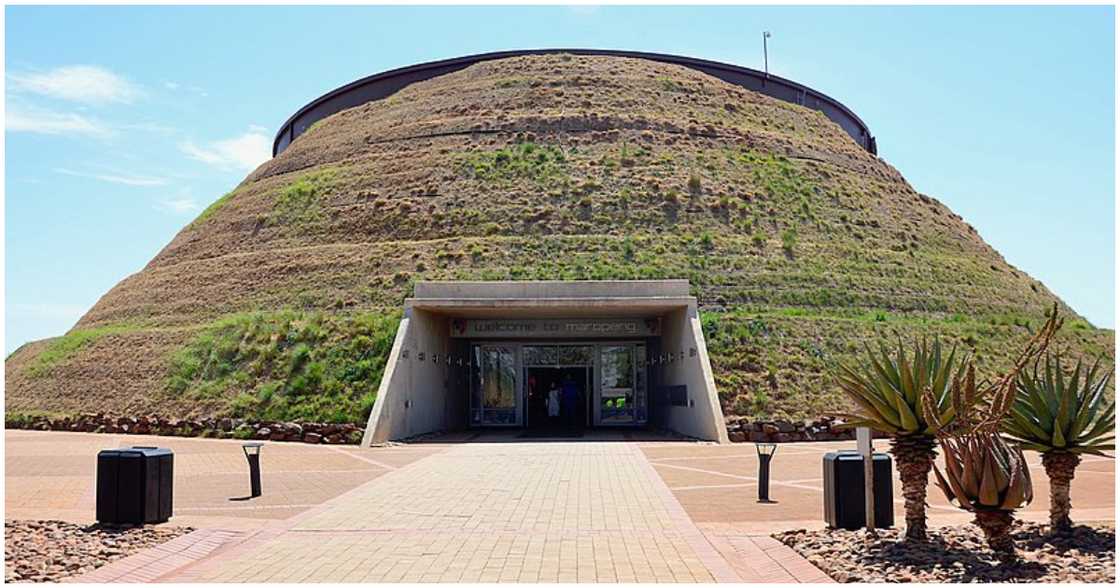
column 282, row 298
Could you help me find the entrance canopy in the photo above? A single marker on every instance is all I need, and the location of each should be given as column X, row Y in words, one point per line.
column 630, row 298
column 467, row 354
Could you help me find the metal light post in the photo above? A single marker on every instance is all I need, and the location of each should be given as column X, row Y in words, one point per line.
column 766, row 452
column 765, row 53
column 253, row 454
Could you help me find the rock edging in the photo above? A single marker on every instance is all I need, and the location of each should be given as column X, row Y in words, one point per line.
column 741, row 429
column 219, row 428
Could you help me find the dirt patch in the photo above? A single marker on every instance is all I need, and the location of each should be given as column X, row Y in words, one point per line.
column 960, row 554
column 48, row 551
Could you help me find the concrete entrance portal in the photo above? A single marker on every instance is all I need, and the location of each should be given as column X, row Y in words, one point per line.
column 548, row 355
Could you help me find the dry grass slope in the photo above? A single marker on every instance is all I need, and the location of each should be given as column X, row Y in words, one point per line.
column 799, row 244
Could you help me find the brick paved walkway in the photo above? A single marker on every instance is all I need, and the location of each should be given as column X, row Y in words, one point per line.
column 492, row 512
column 492, row 509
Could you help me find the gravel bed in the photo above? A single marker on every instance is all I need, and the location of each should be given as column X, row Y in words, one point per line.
column 960, row 554
column 47, row 551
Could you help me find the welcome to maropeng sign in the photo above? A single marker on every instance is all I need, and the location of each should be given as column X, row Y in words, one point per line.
column 555, row 328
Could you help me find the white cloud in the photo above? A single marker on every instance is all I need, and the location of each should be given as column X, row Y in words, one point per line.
column 49, row 122
column 178, row 205
column 245, row 151
column 126, row 179
column 88, row 84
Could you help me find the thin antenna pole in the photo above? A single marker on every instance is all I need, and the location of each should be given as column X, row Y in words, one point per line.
column 765, row 53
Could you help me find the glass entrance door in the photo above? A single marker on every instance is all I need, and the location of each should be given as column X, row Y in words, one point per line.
column 563, row 371
column 605, row 384
column 622, row 385
column 494, row 388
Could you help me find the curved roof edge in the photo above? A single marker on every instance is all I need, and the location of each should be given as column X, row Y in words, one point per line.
column 381, row 85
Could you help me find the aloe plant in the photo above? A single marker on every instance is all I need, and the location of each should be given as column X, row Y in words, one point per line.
column 988, row 477
column 1062, row 419
column 888, row 390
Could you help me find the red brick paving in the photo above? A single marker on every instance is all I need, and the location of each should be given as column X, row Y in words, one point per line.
column 319, row 493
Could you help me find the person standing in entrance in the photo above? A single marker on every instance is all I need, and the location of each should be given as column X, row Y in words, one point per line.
column 570, row 393
column 553, row 402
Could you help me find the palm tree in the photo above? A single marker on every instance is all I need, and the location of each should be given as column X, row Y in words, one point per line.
column 1062, row 419
column 888, row 392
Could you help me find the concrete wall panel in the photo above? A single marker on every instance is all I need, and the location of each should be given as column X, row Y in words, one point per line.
column 683, row 338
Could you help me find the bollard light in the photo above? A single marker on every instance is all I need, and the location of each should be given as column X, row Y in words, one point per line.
column 766, row 452
column 253, row 454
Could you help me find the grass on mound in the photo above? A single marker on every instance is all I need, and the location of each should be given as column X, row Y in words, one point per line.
column 544, row 164
column 777, row 363
column 298, row 203
column 214, row 207
column 61, row 349
column 288, row 365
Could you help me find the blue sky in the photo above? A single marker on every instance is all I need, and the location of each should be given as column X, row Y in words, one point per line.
column 122, row 123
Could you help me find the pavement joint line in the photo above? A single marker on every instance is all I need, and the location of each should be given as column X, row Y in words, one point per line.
column 361, row 457
column 247, row 507
column 739, row 477
column 726, row 456
column 710, row 557
column 743, row 485
column 784, row 484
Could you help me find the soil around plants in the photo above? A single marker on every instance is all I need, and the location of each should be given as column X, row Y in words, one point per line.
column 48, row 551
column 1087, row 553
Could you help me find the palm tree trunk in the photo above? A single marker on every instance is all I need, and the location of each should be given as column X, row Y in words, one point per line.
column 996, row 525
column 1060, row 467
column 914, row 455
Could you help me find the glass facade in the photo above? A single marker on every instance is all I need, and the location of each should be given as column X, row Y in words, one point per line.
column 494, row 389
column 618, row 388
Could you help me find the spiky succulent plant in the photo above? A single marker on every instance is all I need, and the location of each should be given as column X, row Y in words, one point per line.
column 888, row 390
column 1055, row 413
column 1062, row 418
column 988, row 477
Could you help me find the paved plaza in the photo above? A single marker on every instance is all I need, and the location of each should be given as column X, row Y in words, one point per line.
column 495, row 508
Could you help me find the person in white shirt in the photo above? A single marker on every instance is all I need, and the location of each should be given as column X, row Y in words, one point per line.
column 553, row 401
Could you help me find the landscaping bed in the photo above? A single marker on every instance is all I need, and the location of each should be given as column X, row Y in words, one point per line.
column 48, row 551
column 960, row 554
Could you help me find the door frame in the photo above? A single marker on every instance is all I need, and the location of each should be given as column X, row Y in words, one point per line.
column 593, row 399
column 518, row 386
column 634, row 375
column 588, row 376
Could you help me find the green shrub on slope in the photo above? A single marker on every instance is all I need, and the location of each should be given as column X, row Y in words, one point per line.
column 298, row 203
column 288, row 365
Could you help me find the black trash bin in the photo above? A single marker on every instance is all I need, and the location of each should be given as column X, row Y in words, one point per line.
column 843, row 490
column 134, row 485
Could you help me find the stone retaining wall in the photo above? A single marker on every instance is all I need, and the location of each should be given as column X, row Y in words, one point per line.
column 742, row 430
column 223, row 428
column 739, row 429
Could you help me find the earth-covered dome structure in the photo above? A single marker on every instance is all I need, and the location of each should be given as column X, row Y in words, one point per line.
column 281, row 300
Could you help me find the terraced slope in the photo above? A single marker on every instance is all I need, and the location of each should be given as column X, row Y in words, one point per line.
column 799, row 244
